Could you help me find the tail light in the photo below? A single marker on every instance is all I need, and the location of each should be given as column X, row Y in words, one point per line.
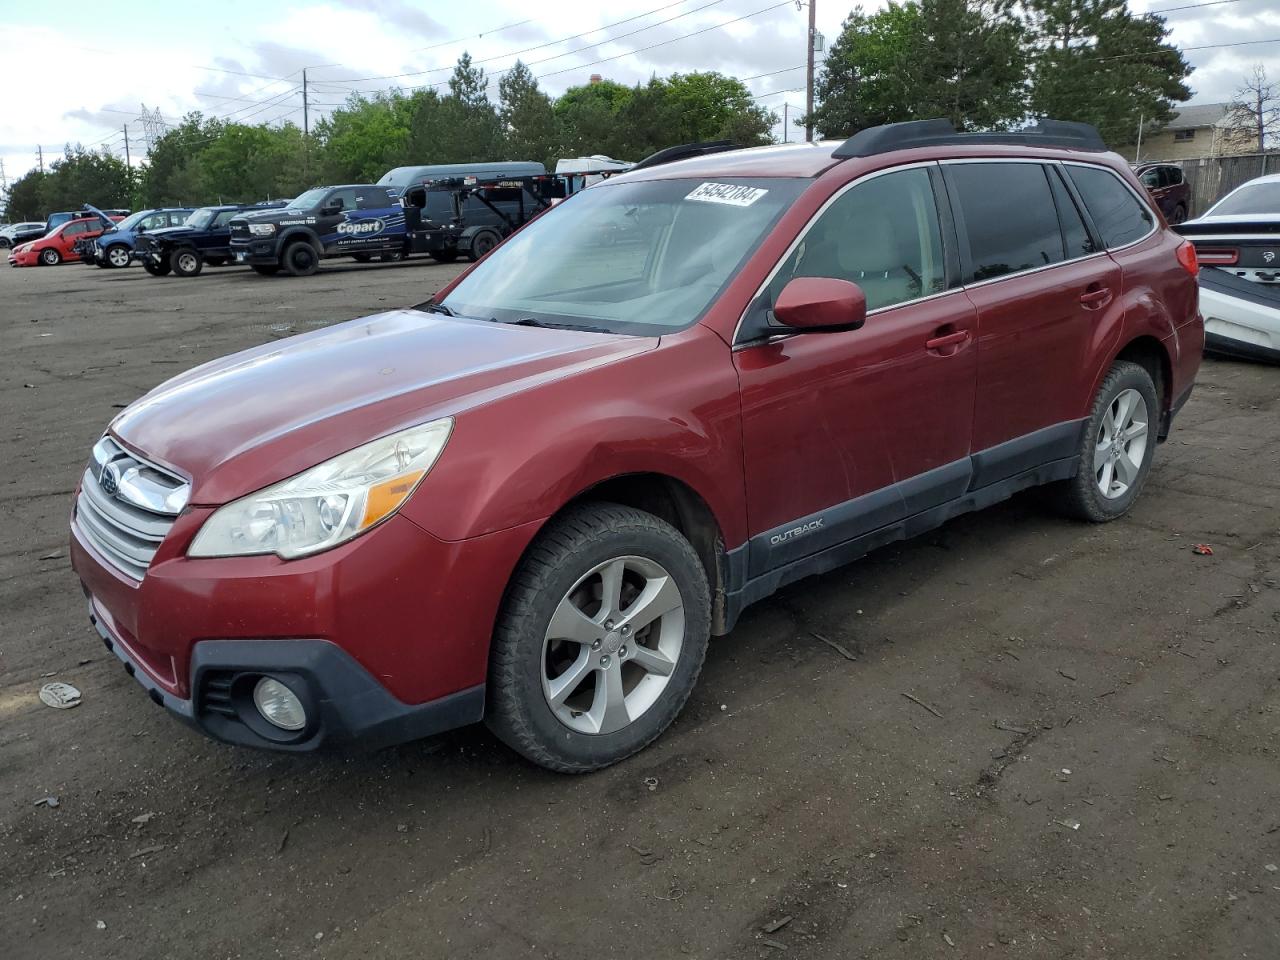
column 1218, row 256
column 1187, row 257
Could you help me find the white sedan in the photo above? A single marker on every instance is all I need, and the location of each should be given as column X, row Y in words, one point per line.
column 1238, row 245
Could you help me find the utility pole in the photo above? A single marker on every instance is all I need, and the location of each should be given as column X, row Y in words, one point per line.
column 1138, row 154
column 808, row 72
column 40, row 153
column 128, row 163
column 785, row 107
column 306, row 120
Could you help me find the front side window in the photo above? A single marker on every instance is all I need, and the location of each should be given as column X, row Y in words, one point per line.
column 347, row 197
column 1151, row 178
column 882, row 234
column 1008, row 217
column 224, row 217
column 642, row 257
column 1117, row 213
column 156, row 221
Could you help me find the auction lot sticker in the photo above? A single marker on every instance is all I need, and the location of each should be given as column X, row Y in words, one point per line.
column 733, row 194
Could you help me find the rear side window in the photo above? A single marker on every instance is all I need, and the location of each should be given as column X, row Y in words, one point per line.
column 1117, row 213
column 374, row 198
column 1079, row 243
column 1008, row 217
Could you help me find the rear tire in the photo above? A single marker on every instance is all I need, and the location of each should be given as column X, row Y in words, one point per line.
column 266, row 269
column 445, row 256
column 299, row 259
column 563, row 702
column 391, row 256
column 362, row 257
column 482, row 243
column 1179, row 214
column 1118, row 444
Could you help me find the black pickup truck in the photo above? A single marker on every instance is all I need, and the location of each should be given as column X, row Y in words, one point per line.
column 359, row 220
column 204, row 238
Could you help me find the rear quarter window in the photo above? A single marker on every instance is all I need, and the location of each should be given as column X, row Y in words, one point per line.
column 1118, row 215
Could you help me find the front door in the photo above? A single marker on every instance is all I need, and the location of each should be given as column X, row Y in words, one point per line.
column 1043, row 289
column 845, row 433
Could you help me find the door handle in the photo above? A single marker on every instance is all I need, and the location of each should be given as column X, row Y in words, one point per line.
column 947, row 340
column 1096, row 298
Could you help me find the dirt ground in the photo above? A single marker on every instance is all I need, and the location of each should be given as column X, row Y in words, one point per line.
column 1089, row 767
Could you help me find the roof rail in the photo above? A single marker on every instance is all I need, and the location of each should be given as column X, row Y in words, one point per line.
column 684, row 151
column 941, row 133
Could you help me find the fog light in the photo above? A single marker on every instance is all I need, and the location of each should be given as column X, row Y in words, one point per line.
column 279, row 705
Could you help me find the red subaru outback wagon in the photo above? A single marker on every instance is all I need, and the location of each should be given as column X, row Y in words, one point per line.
column 532, row 499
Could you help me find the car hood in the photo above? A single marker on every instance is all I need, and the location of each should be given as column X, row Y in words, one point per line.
column 251, row 419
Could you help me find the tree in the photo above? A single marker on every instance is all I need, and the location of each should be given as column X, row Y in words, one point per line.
column 528, row 119
column 589, row 118
column 711, row 106
column 1095, row 62
column 82, row 176
column 921, row 59
column 22, row 201
column 1255, row 113
column 365, row 137
column 471, row 128
column 171, row 174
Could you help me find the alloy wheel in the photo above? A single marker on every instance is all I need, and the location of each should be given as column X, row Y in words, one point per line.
column 118, row 256
column 186, row 262
column 612, row 645
column 1121, row 444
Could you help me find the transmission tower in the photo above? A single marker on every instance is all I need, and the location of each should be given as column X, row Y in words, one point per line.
column 153, row 126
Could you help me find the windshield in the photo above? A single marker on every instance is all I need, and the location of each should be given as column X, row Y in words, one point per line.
column 643, row 257
column 129, row 222
column 1249, row 199
column 311, row 198
column 201, row 218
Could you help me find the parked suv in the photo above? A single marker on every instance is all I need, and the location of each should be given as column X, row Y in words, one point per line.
column 1168, row 187
column 19, row 233
column 358, row 220
column 532, row 499
column 116, row 247
column 203, row 237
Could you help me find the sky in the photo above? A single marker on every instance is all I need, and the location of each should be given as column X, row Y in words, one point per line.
column 81, row 72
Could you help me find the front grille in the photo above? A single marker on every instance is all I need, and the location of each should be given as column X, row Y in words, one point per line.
column 240, row 230
column 127, row 505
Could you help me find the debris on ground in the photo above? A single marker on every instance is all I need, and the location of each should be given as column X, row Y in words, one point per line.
column 843, row 651
column 947, row 938
column 1271, row 868
column 1203, row 550
column 102, row 925
column 923, row 704
column 1069, row 824
column 1069, row 674
column 651, row 783
column 778, row 924
column 284, row 839
column 1011, row 728
column 59, row 695
column 47, row 802
column 154, row 848
column 142, row 818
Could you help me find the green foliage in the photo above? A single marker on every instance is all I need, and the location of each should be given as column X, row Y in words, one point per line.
column 80, row 176
column 960, row 59
column 208, row 160
column 1098, row 63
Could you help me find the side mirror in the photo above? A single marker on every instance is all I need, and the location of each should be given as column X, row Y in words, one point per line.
column 333, row 206
column 821, row 304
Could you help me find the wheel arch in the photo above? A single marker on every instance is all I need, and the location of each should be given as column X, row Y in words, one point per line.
column 299, row 233
column 1153, row 356
column 674, row 501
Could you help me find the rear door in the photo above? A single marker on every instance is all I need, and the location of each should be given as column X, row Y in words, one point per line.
column 1043, row 288
column 848, row 432
column 379, row 213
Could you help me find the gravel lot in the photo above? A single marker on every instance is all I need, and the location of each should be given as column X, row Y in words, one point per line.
column 1102, row 779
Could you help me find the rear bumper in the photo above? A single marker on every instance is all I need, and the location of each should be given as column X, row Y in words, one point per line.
column 1241, row 318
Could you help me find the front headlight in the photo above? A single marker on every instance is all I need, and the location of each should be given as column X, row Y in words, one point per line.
column 328, row 504
column 262, row 229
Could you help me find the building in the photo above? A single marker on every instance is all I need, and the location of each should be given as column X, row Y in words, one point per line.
column 1195, row 131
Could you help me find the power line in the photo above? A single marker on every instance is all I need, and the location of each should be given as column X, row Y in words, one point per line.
column 550, row 43
column 1180, row 50
column 1188, row 6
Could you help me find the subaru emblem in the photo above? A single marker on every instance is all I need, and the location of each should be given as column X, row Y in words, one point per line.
column 1269, row 256
column 109, row 479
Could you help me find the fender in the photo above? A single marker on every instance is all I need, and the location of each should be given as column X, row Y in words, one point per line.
column 673, row 410
column 1144, row 316
column 289, row 234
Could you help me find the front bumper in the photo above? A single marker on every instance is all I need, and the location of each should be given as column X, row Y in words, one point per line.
column 1241, row 317
column 388, row 634
column 261, row 252
column 28, row 259
column 344, row 703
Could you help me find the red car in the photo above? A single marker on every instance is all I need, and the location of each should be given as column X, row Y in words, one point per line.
column 533, row 499
column 57, row 246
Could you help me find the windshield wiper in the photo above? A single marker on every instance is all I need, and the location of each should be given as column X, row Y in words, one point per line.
column 431, row 306
column 522, row 322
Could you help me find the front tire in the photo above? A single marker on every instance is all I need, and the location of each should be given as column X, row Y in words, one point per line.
column 186, row 262
column 266, row 269
column 1117, row 447
column 156, row 269
column 600, row 639
column 300, row 259
column 116, row 256
column 1179, row 215
column 50, row 257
